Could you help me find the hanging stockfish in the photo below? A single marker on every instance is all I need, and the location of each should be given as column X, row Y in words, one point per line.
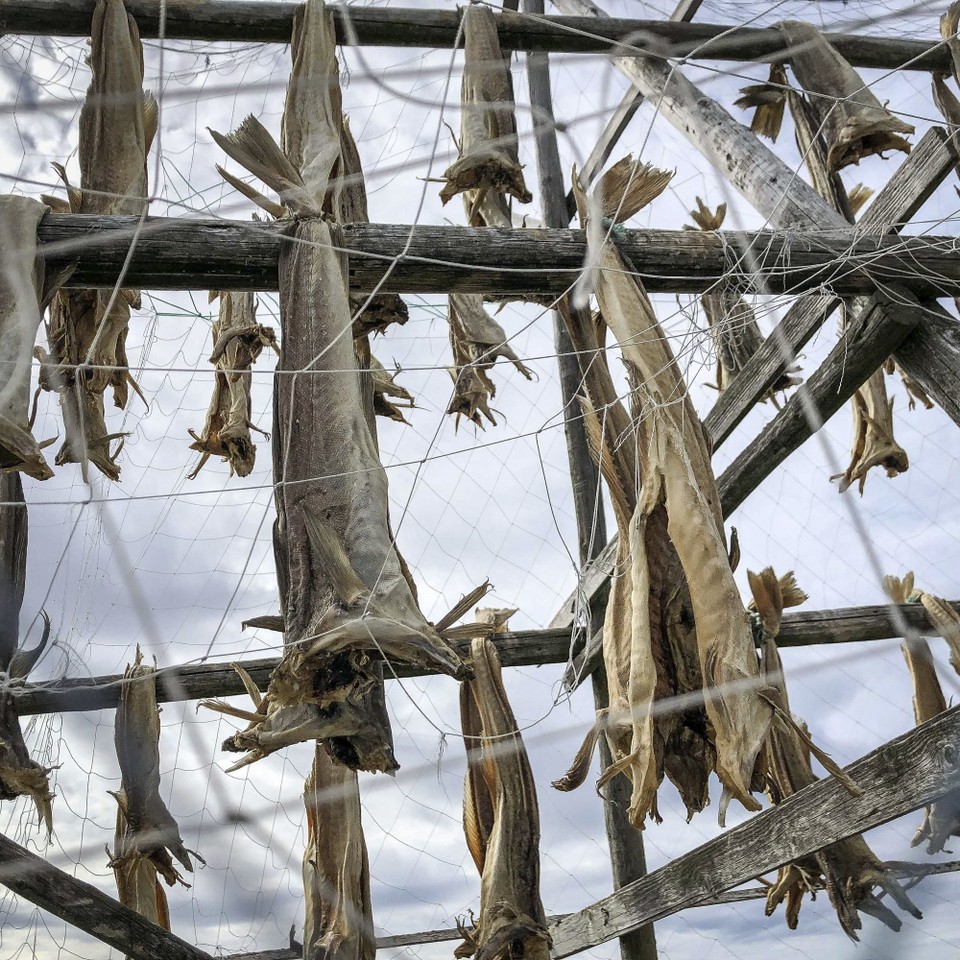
column 849, row 870
column 874, row 444
column 674, row 463
column 148, row 837
column 20, row 776
column 946, row 621
column 941, row 820
column 22, row 302
column 477, row 341
column 853, row 121
column 118, row 122
column 347, row 604
column 237, row 342
column 376, row 312
column 768, row 100
column 338, row 919
column 501, row 820
column 390, row 399
column 489, row 160
column 733, row 326
column 949, row 22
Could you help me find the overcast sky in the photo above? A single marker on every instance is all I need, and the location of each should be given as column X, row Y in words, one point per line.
column 176, row 564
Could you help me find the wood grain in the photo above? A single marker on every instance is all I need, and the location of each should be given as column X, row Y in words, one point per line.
column 86, row 908
column 810, row 820
column 246, row 20
column 201, row 254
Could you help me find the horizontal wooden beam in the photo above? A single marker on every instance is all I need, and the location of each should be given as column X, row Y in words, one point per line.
column 200, row 254
column 87, row 908
column 407, row 27
column 521, row 649
column 392, row 941
column 901, row 776
column 913, row 183
column 802, row 628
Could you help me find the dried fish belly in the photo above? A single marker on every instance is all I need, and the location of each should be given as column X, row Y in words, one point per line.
column 501, row 821
column 237, row 342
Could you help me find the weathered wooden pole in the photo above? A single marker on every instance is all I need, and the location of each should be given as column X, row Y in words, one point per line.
column 627, row 858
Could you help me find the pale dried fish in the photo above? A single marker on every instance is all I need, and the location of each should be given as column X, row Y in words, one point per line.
column 237, row 342
column 915, row 392
column 849, row 870
column 477, row 341
column 733, row 326
column 949, row 22
column 21, row 302
column 338, row 919
column 768, row 100
column 854, row 123
column 118, row 122
column 347, row 602
column 501, row 820
column 674, row 461
column 149, row 831
column 386, row 387
column 946, row 621
column 489, row 159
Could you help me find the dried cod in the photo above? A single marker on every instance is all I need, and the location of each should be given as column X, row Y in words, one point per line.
column 237, row 342
column 848, row 869
column 477, row 341
column 501, row 820
column 854, row 123
column 767, row 100
column 678, row 494
column 488, row 167
column 347, row 602
column 21, row 307
column 338, row 919
column 390, row 399
column 87, row 330
column 733, row 326
column 941, row 820
column 148, row 838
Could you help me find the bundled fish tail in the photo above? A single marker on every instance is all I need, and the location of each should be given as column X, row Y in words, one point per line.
column 88, row 329
column 854, row 123
column 148, row 838
column 238, row 341
column 848, row 869
column 768, row 100
column 21, row 307
column 477, row 341
column 338, row 918
column 501, row 822
column 733, row 327
column 488, row 158
column 347, row 603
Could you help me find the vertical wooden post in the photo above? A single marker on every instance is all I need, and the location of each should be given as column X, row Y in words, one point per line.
column 627, row 857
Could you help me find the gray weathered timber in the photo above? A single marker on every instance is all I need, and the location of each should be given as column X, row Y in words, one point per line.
column 522, row 649
column 875, row 333
column 87, row 909
column 405, row 27
column 200, row 254
column 452, row 933
column 810, row 820
column 802, row 628
column 931, row 355
column 913, row 183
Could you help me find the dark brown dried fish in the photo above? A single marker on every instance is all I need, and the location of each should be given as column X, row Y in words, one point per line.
column 501, row 820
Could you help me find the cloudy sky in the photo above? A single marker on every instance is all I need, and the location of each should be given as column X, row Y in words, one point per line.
column 175, row 565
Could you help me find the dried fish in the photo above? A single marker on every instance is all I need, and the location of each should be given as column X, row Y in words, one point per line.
column 941, row 820
column 501, row 820
column 87, row 330
column 237, row 342
column 849, row 870
column 338, row 919
column 854, row 123
column 477, row 341
column 679, row 496
column 949, row 22
column 733, row 327
column 146, row 831
column 386, row 387
column 347, row 602
column 489, row 159
column 21, row 306
column 768, row 99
